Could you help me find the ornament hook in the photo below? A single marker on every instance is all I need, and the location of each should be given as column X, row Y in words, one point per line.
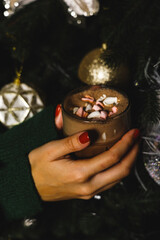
column 17, row 79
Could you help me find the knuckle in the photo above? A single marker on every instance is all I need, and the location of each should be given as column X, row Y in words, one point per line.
column 114, row 156
column 79, row 176
column 31, row 154
column 70, row 145
column 87, row 197
column 85, row 191
column 34, row 155
column 31, row 157
column 103, row 165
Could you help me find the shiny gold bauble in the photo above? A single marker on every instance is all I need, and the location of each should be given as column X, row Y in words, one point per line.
column 93, row 70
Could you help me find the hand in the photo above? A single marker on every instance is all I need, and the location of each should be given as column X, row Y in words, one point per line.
column 58, row 177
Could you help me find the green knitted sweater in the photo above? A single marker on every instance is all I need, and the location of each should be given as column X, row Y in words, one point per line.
column 18, row 195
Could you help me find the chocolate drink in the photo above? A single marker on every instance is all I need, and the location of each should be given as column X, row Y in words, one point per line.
column 103, row 112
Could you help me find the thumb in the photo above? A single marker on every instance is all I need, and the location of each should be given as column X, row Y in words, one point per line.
column 70, row 144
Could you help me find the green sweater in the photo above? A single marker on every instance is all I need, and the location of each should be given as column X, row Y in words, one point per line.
column 18, row 195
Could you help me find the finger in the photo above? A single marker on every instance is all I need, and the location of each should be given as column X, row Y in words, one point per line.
column 56, row 149
column 115, row 173
column 91, row 195
column 112, row 156
column 107, row 187
column 58, row 117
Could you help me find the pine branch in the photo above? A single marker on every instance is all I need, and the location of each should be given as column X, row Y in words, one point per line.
column 149, row 110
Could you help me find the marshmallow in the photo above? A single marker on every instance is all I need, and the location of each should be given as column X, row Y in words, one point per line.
column 110, row 100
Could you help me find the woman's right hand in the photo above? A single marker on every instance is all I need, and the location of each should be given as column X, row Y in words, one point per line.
column 59, row 177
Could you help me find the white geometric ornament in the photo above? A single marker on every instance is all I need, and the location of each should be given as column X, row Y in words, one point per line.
column 18, row 102
column 13, row 5
column 82, row 7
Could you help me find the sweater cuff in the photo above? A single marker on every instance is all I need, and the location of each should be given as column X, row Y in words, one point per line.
column 18, row 195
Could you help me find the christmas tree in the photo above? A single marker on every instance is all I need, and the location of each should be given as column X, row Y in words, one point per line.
column 47, row 41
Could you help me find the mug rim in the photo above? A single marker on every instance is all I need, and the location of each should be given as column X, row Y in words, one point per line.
column 80, row 89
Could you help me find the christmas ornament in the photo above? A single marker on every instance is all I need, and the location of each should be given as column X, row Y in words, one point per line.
column 18, row 102
column 79, row 9
column 29, row 222
column 93, row 70
column 82, row 7
column 151, row 152
column 13, row 5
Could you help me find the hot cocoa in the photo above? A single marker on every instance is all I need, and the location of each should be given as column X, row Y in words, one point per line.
column 103, row 112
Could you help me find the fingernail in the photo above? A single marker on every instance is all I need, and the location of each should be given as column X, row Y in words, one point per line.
column 136, row 134
column 58, row 108
column 84, row 138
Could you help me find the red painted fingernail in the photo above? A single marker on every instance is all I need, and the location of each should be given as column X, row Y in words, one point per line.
column 58, row 108
column 84, row 138
column 136, row 133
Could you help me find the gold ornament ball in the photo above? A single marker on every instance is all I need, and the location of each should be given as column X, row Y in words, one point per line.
column 18, row 102
column 93, row 70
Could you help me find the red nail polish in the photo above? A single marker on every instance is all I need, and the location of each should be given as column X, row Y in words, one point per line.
column 84, row 138
column 136, row 133
column 58, row 108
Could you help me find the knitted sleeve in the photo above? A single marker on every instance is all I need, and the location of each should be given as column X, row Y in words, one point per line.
column 18, row 195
